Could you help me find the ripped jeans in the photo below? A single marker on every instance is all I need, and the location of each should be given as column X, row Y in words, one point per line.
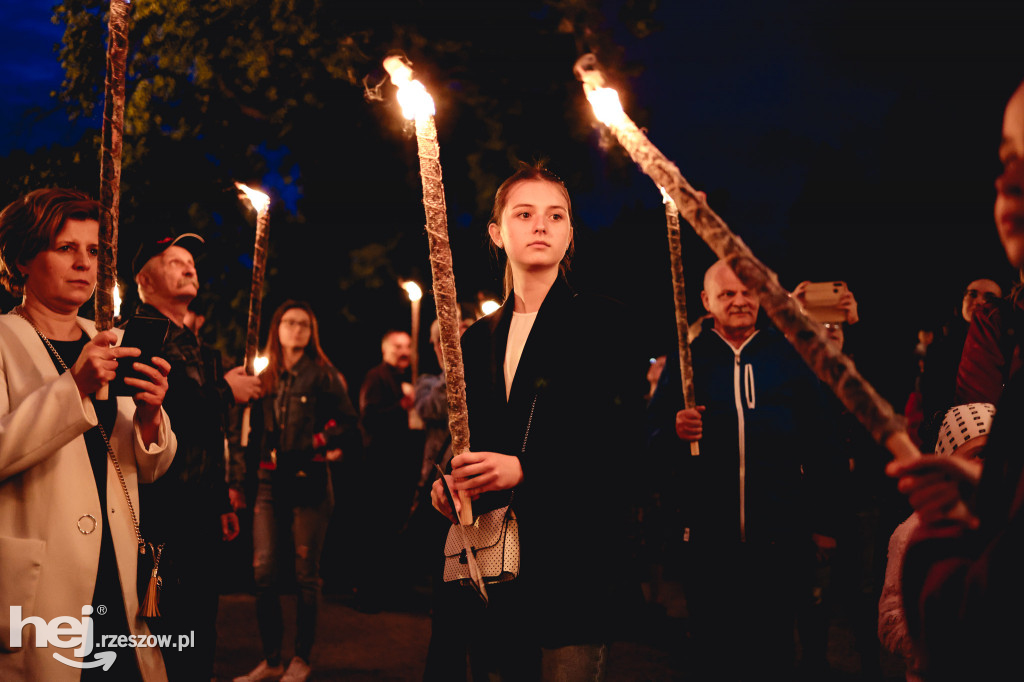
column 280, row 531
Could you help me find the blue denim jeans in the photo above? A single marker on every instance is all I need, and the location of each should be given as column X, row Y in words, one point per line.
column 279, row 532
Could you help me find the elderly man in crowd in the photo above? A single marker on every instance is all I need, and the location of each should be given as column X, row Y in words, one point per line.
column 189, row 509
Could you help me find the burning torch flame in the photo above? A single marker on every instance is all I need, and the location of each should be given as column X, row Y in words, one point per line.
column 259, row 200
column 665, row 198
column 607, row 106
column 413, row 289
column 117, row 301
column 416, row 102
column 259, row 364
column 489, row 306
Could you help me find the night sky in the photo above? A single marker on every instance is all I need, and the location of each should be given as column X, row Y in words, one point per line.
column 845, row 139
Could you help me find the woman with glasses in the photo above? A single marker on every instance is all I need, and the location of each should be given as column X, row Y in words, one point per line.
column 300, row 425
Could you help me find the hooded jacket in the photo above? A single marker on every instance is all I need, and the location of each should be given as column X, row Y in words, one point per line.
column 766, row 438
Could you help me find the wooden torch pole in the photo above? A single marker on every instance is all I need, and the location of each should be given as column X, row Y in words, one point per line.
column 828, row 362
column 110, row 167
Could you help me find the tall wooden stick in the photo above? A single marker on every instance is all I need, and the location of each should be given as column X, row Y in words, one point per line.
column 441, row 270
column 414, row 332
column 828, row 362
column 415, row 297
column 259, row 264
column 675, row 250
column 261, row 202
column 110, row 166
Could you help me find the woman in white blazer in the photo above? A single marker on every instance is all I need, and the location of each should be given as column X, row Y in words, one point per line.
column 68, row 541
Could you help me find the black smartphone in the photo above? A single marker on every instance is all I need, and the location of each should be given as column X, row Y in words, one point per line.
column 147, row 334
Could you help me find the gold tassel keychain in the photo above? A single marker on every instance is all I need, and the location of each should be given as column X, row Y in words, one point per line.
column 150, row 607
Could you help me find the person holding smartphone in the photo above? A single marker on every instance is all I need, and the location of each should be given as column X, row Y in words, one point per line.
column 69, row 463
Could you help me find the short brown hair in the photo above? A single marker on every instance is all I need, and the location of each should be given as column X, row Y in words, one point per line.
column 31, row 224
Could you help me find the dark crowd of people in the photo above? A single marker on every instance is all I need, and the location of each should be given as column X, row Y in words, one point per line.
column 127, row 472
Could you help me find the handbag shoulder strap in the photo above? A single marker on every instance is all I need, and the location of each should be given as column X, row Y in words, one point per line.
column 529, row 423
column 526, row 436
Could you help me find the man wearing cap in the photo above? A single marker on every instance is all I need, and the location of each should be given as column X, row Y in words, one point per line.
column 189, row 508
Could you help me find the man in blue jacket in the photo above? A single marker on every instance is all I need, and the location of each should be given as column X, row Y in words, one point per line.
column 752, row 511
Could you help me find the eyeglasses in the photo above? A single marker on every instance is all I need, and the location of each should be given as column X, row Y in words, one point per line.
column 987, row 295
column 301, row 324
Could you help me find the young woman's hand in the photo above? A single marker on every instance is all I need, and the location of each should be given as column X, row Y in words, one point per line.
column 440, row 501
column 475, row 473
column 481, row 472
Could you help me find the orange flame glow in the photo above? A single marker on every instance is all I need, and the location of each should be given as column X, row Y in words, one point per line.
column 415, row 100
column 413, row 290
column 259, row 200
column 607, row 106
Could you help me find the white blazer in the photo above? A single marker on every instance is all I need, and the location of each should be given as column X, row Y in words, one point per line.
column 49, row 546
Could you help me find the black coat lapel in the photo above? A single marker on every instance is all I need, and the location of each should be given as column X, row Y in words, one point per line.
column 499, row 324
column 539, row 359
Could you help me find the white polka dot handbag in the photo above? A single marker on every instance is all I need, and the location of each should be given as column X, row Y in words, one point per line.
column 494, row 539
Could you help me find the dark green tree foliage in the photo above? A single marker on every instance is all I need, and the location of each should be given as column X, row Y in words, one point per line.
column 271, row 93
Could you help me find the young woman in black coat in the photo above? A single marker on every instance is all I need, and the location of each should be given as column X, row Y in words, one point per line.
column 555, row 397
